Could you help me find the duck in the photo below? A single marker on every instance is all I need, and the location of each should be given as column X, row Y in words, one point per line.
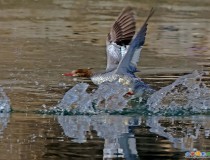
column 123, row 50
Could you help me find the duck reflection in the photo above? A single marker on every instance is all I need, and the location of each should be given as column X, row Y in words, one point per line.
column 120, row 132
column 119, row 138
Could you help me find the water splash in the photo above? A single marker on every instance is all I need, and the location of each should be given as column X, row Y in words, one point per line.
column 188, row 94
column 4, row 110
column 4, row 102
column 108, row 96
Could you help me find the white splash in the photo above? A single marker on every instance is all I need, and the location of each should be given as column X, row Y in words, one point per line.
column 4, row 102
column 108, row 96
column 187, row 94
column 4, row 110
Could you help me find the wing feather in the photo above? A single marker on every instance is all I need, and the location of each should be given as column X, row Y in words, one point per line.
column 128, row 63
column 121, row 34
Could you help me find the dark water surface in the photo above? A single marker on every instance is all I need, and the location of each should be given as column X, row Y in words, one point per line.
column 40, row 40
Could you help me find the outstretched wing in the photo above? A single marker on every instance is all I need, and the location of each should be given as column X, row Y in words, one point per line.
column 121, row 34
column 129, row 62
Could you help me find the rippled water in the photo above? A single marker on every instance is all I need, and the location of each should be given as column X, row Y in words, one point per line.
column 40, row 40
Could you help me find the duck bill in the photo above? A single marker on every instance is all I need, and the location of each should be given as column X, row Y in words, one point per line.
column 70, row 74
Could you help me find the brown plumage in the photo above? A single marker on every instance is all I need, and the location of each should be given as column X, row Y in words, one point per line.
column 123, row 28
column 86, row 72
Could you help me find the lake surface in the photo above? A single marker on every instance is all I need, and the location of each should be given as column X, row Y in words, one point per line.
column 41, row 40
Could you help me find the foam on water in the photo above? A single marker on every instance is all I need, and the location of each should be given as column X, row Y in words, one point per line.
column 188, row 94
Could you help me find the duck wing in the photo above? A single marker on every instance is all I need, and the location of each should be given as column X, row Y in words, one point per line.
column 128, row 63
column 121, row 34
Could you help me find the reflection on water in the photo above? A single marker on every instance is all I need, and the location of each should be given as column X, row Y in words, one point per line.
column 183, row 137
column 121, row 133
column 4, row 119
column 107, row 136
column 119, row 141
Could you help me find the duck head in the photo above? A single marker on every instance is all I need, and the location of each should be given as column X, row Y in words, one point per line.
column 86, row 72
